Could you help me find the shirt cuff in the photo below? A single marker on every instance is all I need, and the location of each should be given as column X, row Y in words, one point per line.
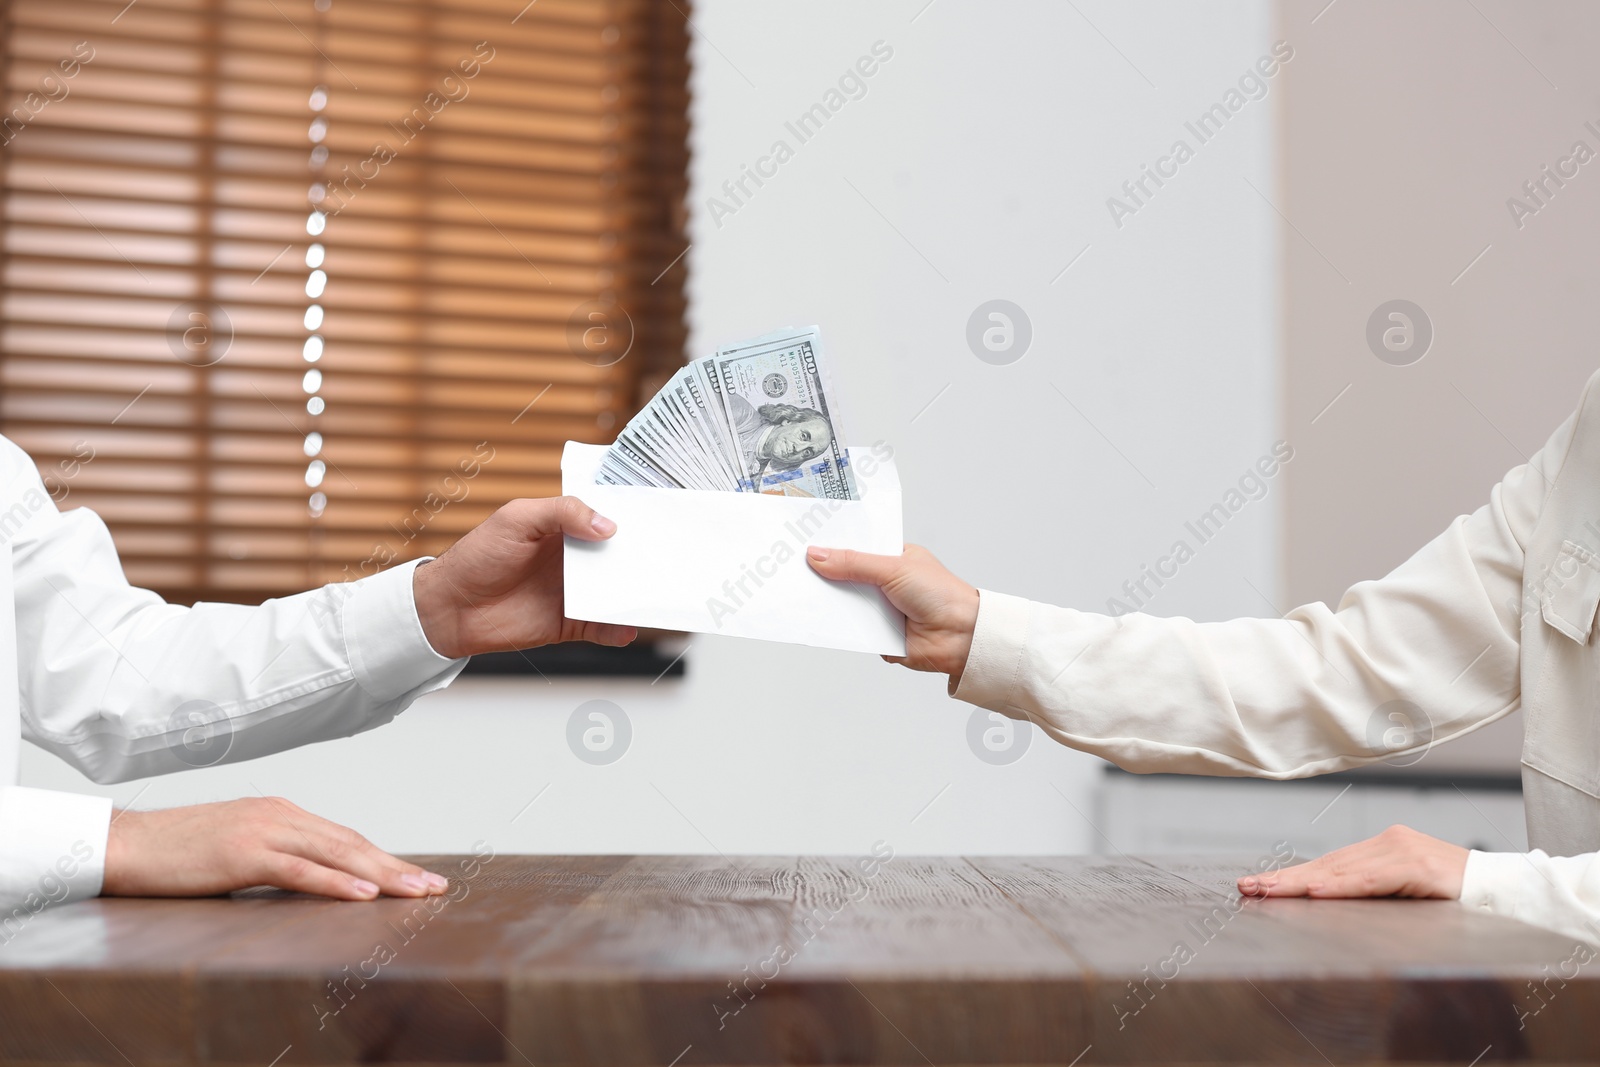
column 1492, row 882
column 52, row 849
column 999, row 640
column 383, row 636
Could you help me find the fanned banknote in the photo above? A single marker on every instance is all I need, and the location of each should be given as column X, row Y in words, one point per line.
column 757, row 416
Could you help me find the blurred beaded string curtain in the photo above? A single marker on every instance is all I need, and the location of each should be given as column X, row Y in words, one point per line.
column 294, row 289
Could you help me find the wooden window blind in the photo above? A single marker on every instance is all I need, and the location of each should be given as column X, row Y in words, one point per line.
column 294, row 289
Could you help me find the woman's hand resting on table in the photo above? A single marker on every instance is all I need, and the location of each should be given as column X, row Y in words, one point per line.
column 209, row 849
column 1400, row 862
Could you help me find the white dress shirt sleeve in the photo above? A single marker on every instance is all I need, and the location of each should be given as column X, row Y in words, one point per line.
column 1560, row 893
column 121, row 684
column 52, row 850
column 1289, row 697
column 1305, row 694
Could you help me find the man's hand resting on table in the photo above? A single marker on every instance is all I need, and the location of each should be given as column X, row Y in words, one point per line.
column 207, row 849
column 499, row 587
column 1400, row 862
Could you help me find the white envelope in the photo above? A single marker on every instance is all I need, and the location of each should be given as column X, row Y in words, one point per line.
column 734, row 563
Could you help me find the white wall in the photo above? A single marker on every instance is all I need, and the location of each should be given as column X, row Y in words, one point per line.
column 981, row 158
column 1407, row 448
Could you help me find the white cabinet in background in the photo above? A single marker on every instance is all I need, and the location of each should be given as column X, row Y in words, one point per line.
column 1180, row 813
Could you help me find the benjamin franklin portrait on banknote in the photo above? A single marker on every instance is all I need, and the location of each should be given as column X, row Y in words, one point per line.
column 778, row 436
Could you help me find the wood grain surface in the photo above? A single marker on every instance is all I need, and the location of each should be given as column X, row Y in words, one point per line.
column 688, row 961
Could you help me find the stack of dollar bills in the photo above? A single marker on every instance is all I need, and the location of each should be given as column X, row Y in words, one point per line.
column 757, row 417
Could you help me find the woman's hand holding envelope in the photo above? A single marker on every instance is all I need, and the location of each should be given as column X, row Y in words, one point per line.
column 941, row 610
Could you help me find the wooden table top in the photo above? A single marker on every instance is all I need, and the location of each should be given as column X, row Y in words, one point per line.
column 691, row 960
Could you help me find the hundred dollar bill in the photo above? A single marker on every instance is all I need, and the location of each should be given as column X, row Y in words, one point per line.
column 689, row 404
column 756, row 417
column 782, row 425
